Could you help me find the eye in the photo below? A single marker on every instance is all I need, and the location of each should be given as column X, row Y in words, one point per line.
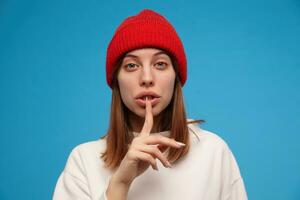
column 161, row 65
column 130, row 66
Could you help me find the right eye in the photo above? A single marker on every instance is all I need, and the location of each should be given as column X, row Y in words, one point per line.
column 130, row 66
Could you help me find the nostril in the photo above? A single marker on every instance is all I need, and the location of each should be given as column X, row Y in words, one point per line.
column 147, row 83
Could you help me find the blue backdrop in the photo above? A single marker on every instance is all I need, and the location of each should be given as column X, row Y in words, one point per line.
column 243, row 79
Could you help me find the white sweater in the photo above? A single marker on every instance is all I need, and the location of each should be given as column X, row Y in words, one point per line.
column 208, row 172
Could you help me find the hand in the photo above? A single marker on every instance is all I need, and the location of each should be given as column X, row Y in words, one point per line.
column 143, row 151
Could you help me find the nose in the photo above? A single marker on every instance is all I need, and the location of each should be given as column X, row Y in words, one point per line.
column 146, row 79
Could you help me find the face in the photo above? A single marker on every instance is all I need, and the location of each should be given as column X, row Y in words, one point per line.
column 146, row 72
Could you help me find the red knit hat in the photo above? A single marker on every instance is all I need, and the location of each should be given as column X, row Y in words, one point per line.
column 146, row 29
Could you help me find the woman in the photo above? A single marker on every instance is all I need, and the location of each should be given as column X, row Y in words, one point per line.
column 146, row 69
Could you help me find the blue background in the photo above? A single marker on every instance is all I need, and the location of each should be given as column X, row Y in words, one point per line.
column 243, row 79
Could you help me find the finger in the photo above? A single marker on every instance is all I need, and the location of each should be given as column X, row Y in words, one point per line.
column 148, row 119
column 155, row 152
column 147, row 158
column 161, row 140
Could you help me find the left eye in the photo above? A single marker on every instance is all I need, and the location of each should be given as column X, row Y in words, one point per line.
column 130, row 66
column 161, row 64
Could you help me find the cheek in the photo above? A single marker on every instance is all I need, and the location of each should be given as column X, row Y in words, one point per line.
column 126, row 82
column 124, row 92
column 125, row 87
column 168, row 88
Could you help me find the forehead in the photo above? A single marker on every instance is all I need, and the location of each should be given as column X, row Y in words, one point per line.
column 146, row 52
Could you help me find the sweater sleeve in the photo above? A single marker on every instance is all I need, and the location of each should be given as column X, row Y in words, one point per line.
column 238, row 191
column 72, row 182
column 235, row 189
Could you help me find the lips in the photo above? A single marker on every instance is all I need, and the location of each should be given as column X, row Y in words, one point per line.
column 142, row 101
column 147, row 93
column 141, row 98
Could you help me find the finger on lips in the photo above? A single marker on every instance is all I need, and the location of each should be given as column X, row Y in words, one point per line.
column 148, row 119
column 154, row 145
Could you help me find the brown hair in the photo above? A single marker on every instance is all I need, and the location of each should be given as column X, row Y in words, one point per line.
column 118, row 136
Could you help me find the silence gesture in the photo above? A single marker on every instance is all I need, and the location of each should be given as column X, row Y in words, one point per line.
column 143, row 152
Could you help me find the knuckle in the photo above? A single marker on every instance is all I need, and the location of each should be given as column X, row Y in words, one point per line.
column 135, row 141
column 156, row 151
column 150, row 158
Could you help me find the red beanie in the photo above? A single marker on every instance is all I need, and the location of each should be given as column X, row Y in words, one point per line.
column 146, row 29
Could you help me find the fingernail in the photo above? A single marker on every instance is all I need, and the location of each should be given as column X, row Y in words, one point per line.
column 169, row 164
column 155, row 167
column 181, row 144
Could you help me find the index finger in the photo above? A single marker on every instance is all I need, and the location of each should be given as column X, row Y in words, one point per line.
column 148, row 119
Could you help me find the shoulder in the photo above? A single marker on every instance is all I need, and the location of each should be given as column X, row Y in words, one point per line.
column 87, row 152
column 201, row 137
column 210, row 150
column 210, row 145
column 96, row 146
column 198, row 134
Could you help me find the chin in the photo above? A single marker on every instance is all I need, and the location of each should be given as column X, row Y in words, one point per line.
column 141, row 112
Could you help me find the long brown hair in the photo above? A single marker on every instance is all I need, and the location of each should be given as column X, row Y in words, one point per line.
column 173, row 118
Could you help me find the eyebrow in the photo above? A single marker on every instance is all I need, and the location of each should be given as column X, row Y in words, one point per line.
column 156, row 54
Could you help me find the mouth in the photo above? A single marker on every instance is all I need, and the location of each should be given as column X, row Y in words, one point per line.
column 142, row 100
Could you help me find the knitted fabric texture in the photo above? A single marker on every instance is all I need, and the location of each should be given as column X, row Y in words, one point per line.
column 146, row 29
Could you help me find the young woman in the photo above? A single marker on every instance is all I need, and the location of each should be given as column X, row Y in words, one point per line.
column 151, row 151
